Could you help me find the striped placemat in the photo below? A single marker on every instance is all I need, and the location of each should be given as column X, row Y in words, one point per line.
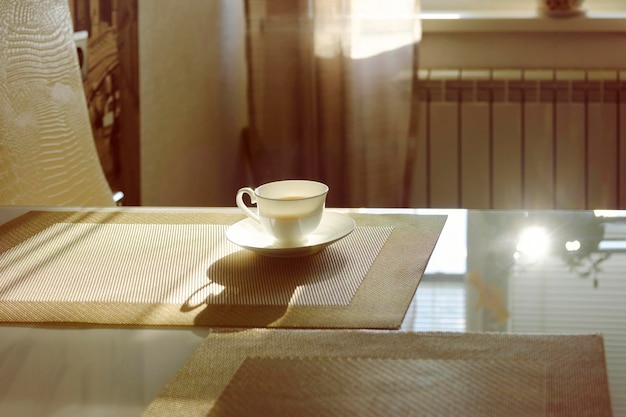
column 371, row 374
column 144, row 268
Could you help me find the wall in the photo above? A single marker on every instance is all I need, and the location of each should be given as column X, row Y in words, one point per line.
column 522, row 50
column 526, row 148
column 192, row 109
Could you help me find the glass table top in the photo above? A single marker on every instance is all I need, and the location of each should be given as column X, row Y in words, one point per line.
column 551, row 272
column 530, row 272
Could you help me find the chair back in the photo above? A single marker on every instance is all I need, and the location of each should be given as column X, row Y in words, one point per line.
column 47, row 152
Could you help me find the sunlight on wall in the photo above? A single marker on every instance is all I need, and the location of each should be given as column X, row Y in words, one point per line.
column 367, row 27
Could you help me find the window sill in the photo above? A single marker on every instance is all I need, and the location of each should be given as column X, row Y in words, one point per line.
column 506, row 21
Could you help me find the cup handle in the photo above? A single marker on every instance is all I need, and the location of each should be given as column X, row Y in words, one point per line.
column 242, row 205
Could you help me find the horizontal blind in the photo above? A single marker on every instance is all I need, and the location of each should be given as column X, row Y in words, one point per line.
column 438, row 305
column 546, row 297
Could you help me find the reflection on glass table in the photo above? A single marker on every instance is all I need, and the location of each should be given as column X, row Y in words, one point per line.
column 530, row 272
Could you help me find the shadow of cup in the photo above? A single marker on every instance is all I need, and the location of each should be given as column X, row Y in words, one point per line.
column 251, row 290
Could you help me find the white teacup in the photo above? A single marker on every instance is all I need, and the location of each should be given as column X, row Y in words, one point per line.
column 288, row 210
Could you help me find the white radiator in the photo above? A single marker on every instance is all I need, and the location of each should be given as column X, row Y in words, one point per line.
column 537, row 139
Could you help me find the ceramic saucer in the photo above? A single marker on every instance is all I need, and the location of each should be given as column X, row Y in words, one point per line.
column 248, row 234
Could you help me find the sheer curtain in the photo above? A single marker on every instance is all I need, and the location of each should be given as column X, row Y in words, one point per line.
column 332, row 96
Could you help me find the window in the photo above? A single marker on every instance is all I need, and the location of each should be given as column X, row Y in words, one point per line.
column 439, row 305
column 364, row 28
column 510, row 5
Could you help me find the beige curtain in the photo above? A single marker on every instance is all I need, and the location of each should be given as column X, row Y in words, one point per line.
column 331, row 96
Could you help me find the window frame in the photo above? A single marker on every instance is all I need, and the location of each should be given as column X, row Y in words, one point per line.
column 510, row 5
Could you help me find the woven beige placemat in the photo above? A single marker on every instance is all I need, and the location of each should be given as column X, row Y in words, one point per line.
column 144, row 268
column 367, row 373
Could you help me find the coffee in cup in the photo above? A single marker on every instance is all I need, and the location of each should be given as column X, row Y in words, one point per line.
column 288, row 210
